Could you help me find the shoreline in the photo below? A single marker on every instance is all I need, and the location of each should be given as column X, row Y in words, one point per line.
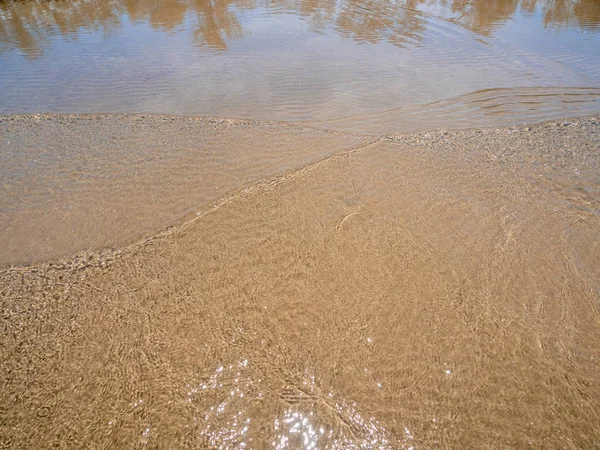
column 110, row 180
column 215, row 201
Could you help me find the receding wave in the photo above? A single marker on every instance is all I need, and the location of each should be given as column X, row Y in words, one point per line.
column 76, row 182
column 485, row 108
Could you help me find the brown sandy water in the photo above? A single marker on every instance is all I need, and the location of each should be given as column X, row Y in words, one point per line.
column 322, row 283
column 421, row 291
column 78, row 182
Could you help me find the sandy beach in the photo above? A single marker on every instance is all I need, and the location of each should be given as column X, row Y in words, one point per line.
column 299, row 224
column 430, row 290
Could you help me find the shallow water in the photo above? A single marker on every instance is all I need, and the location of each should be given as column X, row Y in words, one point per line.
column 74, row 183
column 315, row 288
column 366, row 67
column 297, row 60
column 438, row 290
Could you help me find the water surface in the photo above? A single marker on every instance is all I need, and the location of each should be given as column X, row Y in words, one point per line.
column 316, row 288
column 299, row 60
column 438, row 290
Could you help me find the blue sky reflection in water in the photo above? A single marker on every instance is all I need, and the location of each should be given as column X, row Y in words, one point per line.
column 296, row 60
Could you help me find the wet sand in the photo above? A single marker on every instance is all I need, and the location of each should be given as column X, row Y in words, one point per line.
column 432, row 290
column 74, row 182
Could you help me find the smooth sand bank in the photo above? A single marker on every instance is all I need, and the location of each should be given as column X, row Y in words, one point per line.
column 431, row 290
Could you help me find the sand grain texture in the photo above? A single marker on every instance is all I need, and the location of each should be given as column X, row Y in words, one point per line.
column 437, row 290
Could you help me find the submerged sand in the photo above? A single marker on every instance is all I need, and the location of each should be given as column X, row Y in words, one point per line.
column 75, row 182
column 429, row 290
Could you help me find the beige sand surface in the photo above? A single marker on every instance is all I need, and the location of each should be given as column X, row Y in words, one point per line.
column 435, row 290
column 76, row 182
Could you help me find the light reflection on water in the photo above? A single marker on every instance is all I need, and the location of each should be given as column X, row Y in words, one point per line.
column 301, row 61
column 300, row 417
column 232, row 424
column 286, row 59
column 29, row 25
column 438, row 289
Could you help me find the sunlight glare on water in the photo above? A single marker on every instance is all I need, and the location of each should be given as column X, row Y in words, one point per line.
column 321, row 279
